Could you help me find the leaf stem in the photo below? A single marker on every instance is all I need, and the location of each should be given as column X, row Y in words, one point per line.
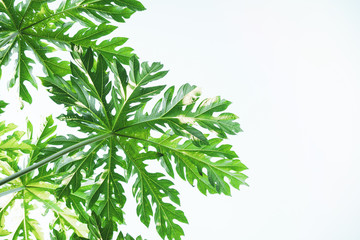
column 14, row 190
column 54, row 157
column 58, row 13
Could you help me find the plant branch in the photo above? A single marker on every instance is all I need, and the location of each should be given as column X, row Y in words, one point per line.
column 54, row 157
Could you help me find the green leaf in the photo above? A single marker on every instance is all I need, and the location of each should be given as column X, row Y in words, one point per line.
column 65, row 215
column 155, row 186
column 4, row 205
column 72, row 182
column 136, row 94
column 97, row 230
column 42, row 141
column 6, row 128
column 23, row 70
column 11, row 143
column 132, row 4
column 109, row 184
column 58, row 235
column 169, row 110
column 107, row 101
column 30, row 189
column 2, row 105
column 127, row 237
column 34, row 26
column 27, row 224
column 175, row 115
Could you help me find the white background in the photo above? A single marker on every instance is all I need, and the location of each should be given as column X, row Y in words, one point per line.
column 291, row 69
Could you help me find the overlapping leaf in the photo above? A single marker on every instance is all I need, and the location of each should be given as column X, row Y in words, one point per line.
column 30, row 188
column 2, row 105
column 12, row 143
column 43, row 27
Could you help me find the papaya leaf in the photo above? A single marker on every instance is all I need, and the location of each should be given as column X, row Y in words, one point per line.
column 185, row 143
column 38, row 27
column 108, row 95
column 127, row 237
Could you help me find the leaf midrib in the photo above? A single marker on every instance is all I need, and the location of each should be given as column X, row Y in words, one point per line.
column 8, row 12
column 166, row 118
column 58, row 13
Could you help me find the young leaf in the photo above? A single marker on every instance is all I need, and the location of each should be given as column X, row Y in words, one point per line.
column 30, row 189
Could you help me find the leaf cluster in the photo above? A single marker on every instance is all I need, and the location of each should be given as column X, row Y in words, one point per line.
column 40, row 28
column 131, row 123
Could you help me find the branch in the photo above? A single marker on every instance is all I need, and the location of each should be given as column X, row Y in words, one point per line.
column 54, row 157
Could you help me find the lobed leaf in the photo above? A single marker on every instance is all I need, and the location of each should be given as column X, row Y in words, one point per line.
column 36, row 27
column 155, row 186
column 175, row 115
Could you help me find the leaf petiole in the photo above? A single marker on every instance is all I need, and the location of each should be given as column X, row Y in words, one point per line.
column 53, row 157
